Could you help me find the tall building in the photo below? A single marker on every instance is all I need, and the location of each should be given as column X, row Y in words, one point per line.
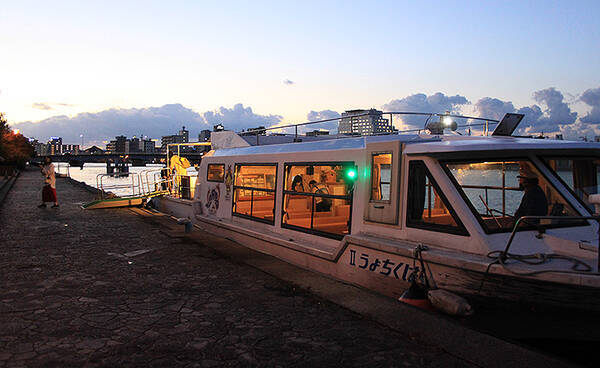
column 204, row 136
column 183, row 136
column 170, row 139
column 38, row 147
column 118, row 145
column 54, row 146
column 132, row 145
column 70, row 148
column 147, row 145
column 373, row 123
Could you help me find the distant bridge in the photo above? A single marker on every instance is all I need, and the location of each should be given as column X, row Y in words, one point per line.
column 135, row 158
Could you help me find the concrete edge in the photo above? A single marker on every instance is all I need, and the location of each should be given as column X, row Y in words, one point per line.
column 85, row 186
column 7, row 186
column 427, row 328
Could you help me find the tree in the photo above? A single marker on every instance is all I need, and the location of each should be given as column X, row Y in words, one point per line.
column 14, row 147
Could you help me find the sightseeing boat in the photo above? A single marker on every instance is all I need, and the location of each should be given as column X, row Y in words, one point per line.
column 386, row 211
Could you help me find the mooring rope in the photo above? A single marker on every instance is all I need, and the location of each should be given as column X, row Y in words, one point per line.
column 579, row 267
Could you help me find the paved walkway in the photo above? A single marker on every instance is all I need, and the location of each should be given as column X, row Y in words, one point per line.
column 105, row 289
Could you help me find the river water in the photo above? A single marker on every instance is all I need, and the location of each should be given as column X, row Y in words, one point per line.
column 121, row 186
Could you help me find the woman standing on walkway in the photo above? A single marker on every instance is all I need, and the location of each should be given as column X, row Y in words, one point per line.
column 49, row 189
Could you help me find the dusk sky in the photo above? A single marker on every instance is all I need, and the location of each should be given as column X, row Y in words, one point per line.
column 256, row 63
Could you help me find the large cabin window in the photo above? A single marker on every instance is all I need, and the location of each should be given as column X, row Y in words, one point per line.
column 317, row 198
column 580, row 174
column 427, row 208
column 501, row 191
column 254, row 192
column 381, row 176
column 215, row 172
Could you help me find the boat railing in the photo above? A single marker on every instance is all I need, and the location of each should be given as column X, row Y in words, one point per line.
column 134, row 186
column 472, row 122
column 152, row 181
column 505, row 253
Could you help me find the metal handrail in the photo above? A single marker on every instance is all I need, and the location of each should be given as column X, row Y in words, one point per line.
column 504, row 254
column 146, row 187
column 133, row 186
column 486, row 123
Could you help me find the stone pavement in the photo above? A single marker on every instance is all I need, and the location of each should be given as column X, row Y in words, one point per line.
column 104, row 289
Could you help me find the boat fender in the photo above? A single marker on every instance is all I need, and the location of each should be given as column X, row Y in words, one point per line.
column 449, row 303
column 416, row 296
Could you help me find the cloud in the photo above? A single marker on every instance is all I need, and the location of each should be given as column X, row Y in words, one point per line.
column 322, row 115
column 420, row 102
column 557, row 113
column 579, row 130
column 41, row 106
column 153, row 121
column 555, row 118
column 288, row 82
column 591, row 97
column 239, row 118
column 49, row 105
column 493, row 108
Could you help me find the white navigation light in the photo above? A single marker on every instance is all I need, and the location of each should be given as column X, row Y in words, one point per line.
column 445, row 122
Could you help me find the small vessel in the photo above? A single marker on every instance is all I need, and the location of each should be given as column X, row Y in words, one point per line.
column 493, row 217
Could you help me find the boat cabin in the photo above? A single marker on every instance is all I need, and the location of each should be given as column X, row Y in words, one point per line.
column 453, row 192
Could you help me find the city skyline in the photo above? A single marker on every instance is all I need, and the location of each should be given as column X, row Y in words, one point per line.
column 268, row 63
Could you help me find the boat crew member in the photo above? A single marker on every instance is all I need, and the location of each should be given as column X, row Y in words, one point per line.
column 322, row 204
column 534, row 202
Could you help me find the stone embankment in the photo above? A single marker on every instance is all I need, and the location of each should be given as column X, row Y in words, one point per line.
column 109, row 288
column 8, row 176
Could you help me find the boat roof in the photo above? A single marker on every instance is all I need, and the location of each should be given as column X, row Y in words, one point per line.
column 415, row 144
column 451, row 144
column 357, row 143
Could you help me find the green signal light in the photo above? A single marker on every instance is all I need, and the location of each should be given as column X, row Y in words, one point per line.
column 351, row 174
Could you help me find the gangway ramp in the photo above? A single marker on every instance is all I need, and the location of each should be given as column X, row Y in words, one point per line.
column 140, row 191
column 131, row 201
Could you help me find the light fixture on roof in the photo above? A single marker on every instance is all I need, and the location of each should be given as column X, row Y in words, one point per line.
column 437, row 127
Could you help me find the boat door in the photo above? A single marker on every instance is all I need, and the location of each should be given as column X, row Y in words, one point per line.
column 384, row 164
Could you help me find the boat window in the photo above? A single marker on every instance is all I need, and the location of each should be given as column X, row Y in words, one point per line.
column 427, row 208
column 501, row 191
column 580, row 174
column 317, row 198
column 254, row 192
column 215, row 172
column 381, row 176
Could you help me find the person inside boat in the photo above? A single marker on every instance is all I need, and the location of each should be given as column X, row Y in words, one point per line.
column 322, row 204
column 534, row 202
column 297, row 184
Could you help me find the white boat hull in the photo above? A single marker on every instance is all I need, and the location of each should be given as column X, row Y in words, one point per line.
column 390, row 273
